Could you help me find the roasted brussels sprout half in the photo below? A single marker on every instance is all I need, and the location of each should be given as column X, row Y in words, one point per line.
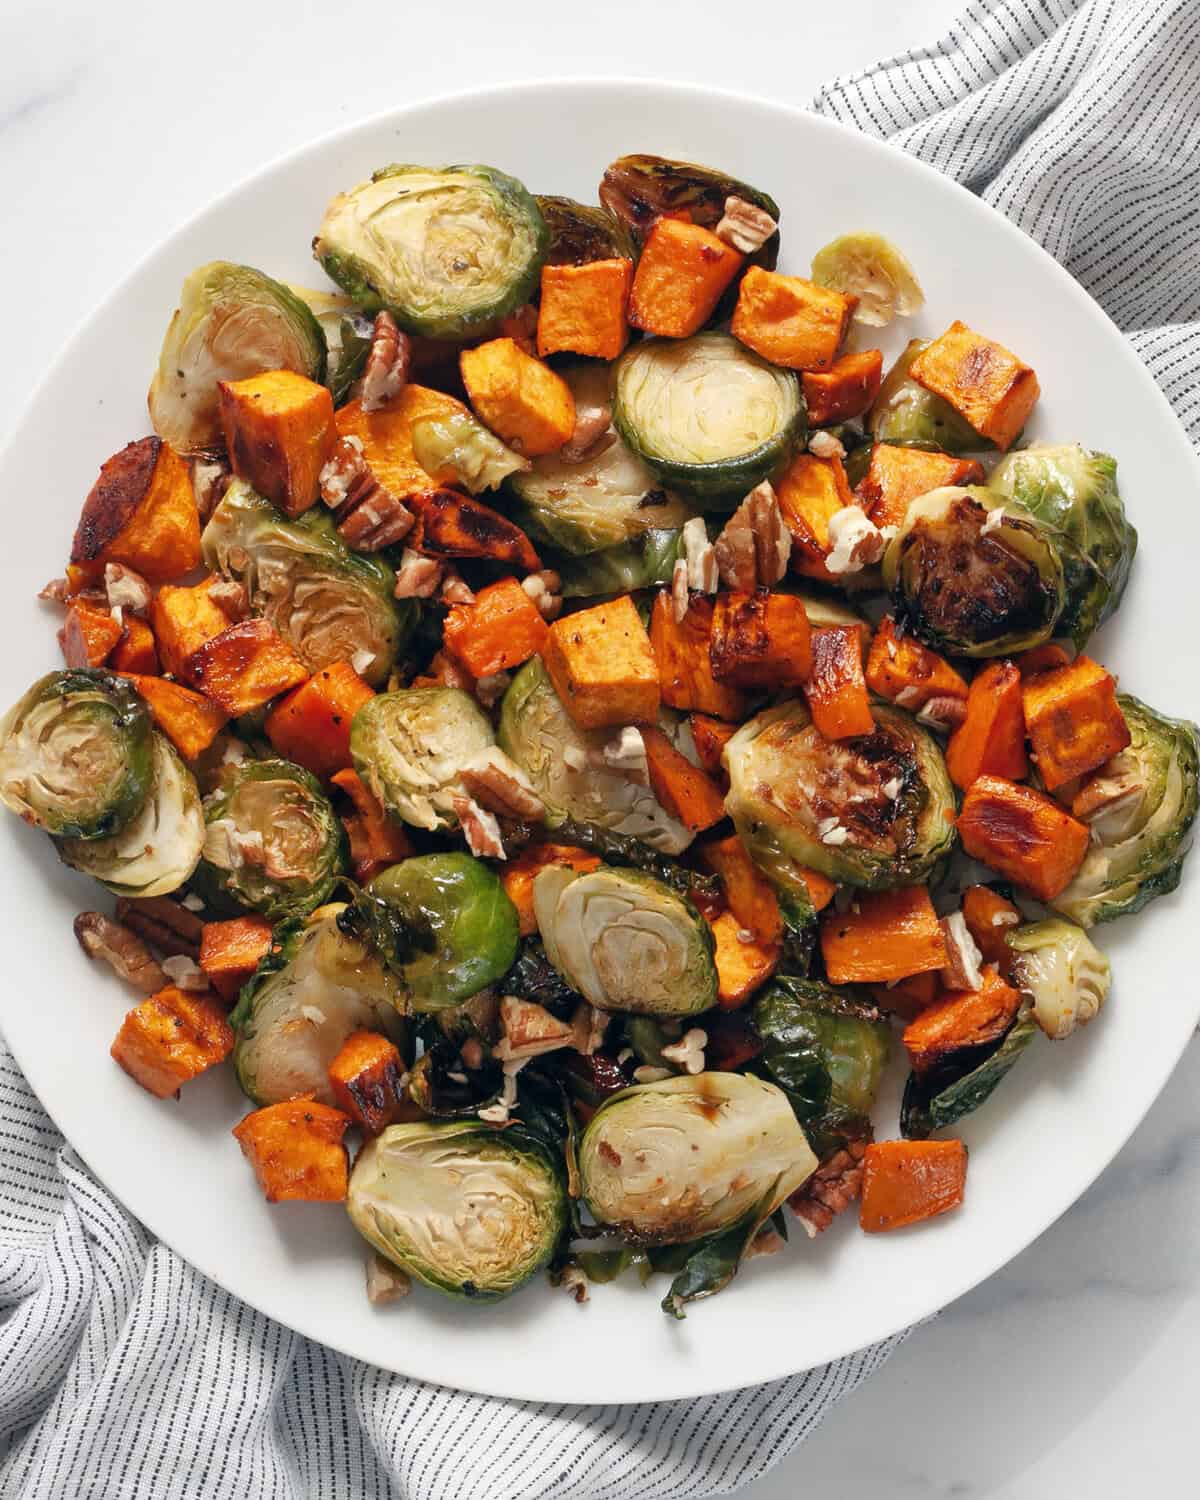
column 567, row 768
column 665, row 1163
column 1073, row 493
column 329, row 603
column 626, row 941
column 600, row 501
column 706, row 414
column 1140, row 808
column 75, row 754
column 964, row 1081
column 157, row 850
column 826, row 1049
column 273, row 843
column 457, row 449
column 408, row 747
column 470, row 1211
column 1062, row 972
column 447, row 250
column 907, row 414
column 646, row 561
column 444, row 926
column 638, row 189
column 317, row 985
column 875, row 811
column 871, row 268
column 581, row 232
column 347, row 333
column 231, row 322
column 975, row 574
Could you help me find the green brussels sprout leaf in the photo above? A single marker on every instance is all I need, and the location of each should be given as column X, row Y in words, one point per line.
column 958, row 1089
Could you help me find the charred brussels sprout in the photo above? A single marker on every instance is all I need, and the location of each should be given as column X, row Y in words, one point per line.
column 457, row 930
column 1140, row 807
column 888, row 793
column 665, row 1163
column 626, row 941
column 1062, row 971
column 871, row 268
column 602, row 500
column 329, row 603
column 907, row 414
column 567, row 768
column 316, row 986
column 456, row 449
column 638, row 189
column 75, row 754
column 447, row 250
column 580, row 232
column 647, row 560
column 470, row 1211
column 706, row 414
column 975, row 574
column 232, row 322
column 273, row 843
column 158, row 849
column 1073, row 493
column 408, row 747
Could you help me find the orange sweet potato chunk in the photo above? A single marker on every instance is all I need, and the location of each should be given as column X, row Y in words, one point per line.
column 681, row 273
column 905, row 1182
column 1023, row 835
column 810, row 493
column 137, row 650
column 991, row 739
column 502, row 629
column 681, row 651
column 381, row 842
column 990, row 918
column 296, row 1151
column 522, row 400
column 230, row 952
column 760, row 641
column 907, row 998
column 836, row 690
column 170, row 1037
column 983, row 381
column 602, row 667
column 892, row 935
column 845, row 389
column 1073, row 720
column 386, row 435
column 141, row 512
column 710, row 736
column 454, row 525
column 790, row 321
column 244, row 667
column 902, row 670
column 189, row 720
column 279, row 431
column 689, row 794
column 583, row 309
column 519, row 874
column 742, row 966
column 88, row 636
column 183, row 619
column 749, row 894
column 961, row 1018
column 311, row 725
column 366, row 1077
column 898, row 476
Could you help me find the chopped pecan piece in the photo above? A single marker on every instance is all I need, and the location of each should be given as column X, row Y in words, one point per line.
column 593, row 433
column 367, row 516
column 121, row 948
column 701, row 557
column 386, row 372
column 184, row 973
column 825, row 445
column 768, row 1241
column 455, row 589
column 833, row 1187
column 755, row 547
column 126, row 589
column 688, row 1052
column 57, row 591
column 385, row 1282
column 963, row 959
column 943, row 712
column 164, row 923
column 588, row 1026
column 854, row 541
column 211, row 477
column 417, row 577
column 528, row 1030
column 479, row 827
column 231, row 598
column 490, row 689
column 745, row 226
column 545, row 589
column 499, row 784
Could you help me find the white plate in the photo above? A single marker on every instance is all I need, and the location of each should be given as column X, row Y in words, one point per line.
column 1060, row 1118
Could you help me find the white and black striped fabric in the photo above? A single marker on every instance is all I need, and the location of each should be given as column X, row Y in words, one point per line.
column 124, row 1373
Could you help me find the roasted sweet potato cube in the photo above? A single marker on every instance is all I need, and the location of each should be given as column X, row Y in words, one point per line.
column 836, row 690
column 519, row 874
column 279, row 432
column 681, row 273
column 171, row 1037
column 983, row 381
column 749, row 894
column 810, row 493
column 500, row 630
column 898, row 476
column 907, row 998
column 583, row 309
column 522, row 400
column 454, row 525
column 367, row 1080
column 961, row 1019
column 383, row 841
column 1042, row 658
column 136, row 651
column 1022, row 834
column 744, row 962
column 183, row 619
column 311, row 725
column 907, row 1181
column 902, row 670
column 386, row 435
column 602, row 666
column 821, row 889
column 1073, row 720
column 790, row 321
column 296, row 1151
column 188, row 719
column 845, row 389
column 681, row 650
column 990, row 918
column 230, row 952
column 245, row 666
column 710, row 736
column 88, row 635
column 760, row 641
column 991, row 739
column 892, row 935
column 689, row 794
column 140, row 512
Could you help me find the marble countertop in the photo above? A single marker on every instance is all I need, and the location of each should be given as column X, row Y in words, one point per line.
column 1072, row 1371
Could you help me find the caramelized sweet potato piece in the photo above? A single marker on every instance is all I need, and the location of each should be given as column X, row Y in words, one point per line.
column 991, row 739
column 170, row 1037
column 960, row 1019
column 245, row 666
column 989, row 918
column 790, row 321
column 519, row 874
column 1042, row 658
column 311, row 725
column 279, row 432
column 230, row 952
column 502, row 629
column 602, row 667
column 836, row 690
column 183, row 619
column 898, row 476
column 749, row 894
column 907, row 998
column 522, row 400
column 1023, row 835
column 454, row 525
column 710, row 736
column 1073, row 720
column 892, row 935
column 583, row 309
column 383, row 841
column 907, row 1181
column 845, row 389
column 810, row 493
column 820, row 888
column 140, row 512
column 983, row 381
column 88, row 635
column 188, row 719
column 688, row 794
column 681, row 650
column 902, row 670
column 367, row 1080
column 386, row 435
column 744, row 962
column 760, row 641
column 136, row 652
column 681, row 274
column 296, row 1151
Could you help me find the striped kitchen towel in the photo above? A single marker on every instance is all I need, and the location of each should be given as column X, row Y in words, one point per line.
column 124, row 1373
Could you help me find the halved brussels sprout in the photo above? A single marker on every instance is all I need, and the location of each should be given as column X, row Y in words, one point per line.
column 626, row 941
column 466, row 929
column 1144, row 806
column 231, row 322
column 347, row 337
column 1062, row 971
column 871, row 268
column 664, row 1163
column 581, row 232
column 75, row 754
column 447, row 250
column 470, row 1211
column 328, row 603
column 598, row 501
column 706, row 414
column 874, row 811
column 273, row 842
column 317, row 986
column 567, row 768
column 907, row 414
column 974, row 574
column 967, row 1079
column 158, row 849
column 456, row 449
column 408, row 747
column 640, row 188
column 1073, row 493
column 647, row 560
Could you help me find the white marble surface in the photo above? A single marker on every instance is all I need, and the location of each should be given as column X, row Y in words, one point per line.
column 1073, row 1371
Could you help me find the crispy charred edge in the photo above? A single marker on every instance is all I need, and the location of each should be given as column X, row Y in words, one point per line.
column 124, row 480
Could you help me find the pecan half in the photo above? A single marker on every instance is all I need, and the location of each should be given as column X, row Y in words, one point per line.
column 386, row 371
column 165, row 923
column 211, row 477
column 745, row 226
column 833, row 1187
column 57, row 591
column 367, row 516
column 593, row 433
column 479, row 827
column 943, row 712
column 121, row 948
column 417, row 577
column 455, row 589
column 755, row 547
column 963, row 958
column 500, row 785
column 545, row 589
